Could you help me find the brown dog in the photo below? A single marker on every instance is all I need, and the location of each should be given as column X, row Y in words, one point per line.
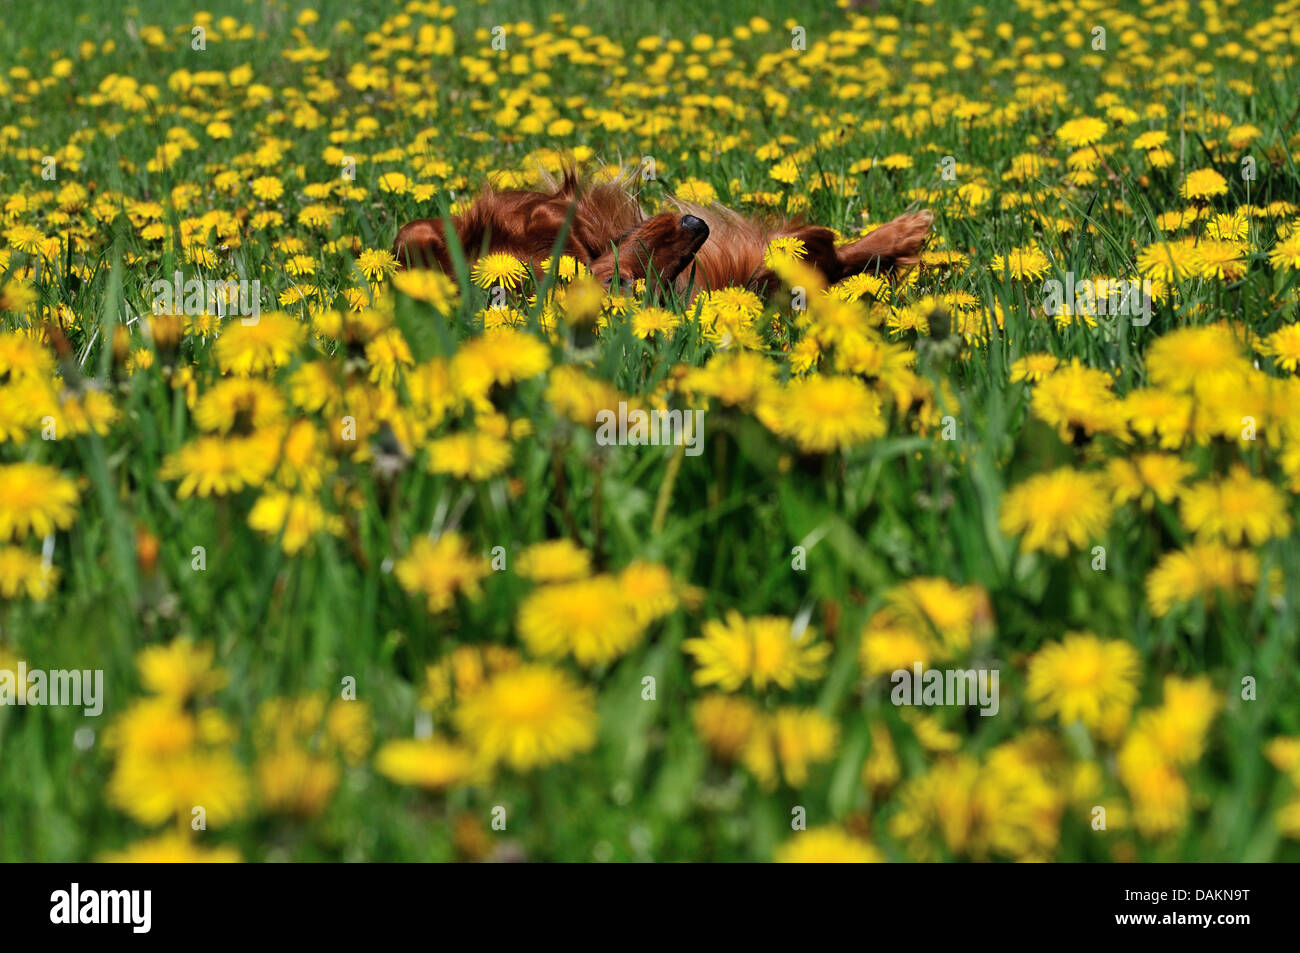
column 609, row 234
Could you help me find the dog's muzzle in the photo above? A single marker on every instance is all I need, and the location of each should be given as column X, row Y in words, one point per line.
column 695, row 226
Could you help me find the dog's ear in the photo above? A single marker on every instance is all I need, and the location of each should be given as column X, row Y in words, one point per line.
column 423, row 244
column 891, row 247
column 545, row 223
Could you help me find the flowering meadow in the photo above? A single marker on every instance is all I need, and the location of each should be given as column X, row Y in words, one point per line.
column 363, row 581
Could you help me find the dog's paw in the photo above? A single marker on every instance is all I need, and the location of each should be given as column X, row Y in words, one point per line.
column 894, row 245
column 907, row 236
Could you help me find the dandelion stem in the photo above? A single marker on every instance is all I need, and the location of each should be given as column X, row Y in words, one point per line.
column 666, row 491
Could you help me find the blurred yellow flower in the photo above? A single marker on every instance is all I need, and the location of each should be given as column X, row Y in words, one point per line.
column 763, row 651
column 529, row 717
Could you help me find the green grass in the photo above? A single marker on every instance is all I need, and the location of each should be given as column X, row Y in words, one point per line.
column 903, row 506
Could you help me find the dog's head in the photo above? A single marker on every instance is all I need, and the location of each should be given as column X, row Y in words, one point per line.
column 659, row 250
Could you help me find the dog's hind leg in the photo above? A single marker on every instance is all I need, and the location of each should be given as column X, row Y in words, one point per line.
column 890, row 247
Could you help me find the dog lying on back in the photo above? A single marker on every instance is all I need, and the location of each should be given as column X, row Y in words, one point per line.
column 688, row 249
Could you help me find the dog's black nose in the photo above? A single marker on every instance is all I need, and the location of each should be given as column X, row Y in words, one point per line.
column 694, row 225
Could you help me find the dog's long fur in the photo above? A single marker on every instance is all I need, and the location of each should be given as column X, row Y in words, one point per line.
column 610, row 234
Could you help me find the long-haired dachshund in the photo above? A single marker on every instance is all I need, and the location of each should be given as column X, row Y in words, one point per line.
column 610, row 234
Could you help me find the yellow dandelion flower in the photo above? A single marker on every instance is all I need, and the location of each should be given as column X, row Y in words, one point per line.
column 35, row 499
column 557, row 560
column 881, row 770
column 1283, row 345
column 649, row 590
column 1286, row 253
column 529, row 717
column 824, row 413
column 219, row 465
column 264, row 345
column 1238, row 508
column 827, row 845
column 1180, row 725
column 784, row 247
column 1078, row 402
column 1081, row 131
column 293, row 518
column 433, row 763
column 1202, row 569
column 1169, row 261
column 1033, row 367
column 1203, row 184
column 725, row 723
column 377, row 264
column 171, row 848
column 438, row 570
column 155, row 790
column 588, row 619
column 25, row 574
column 787, row 744
column 498, row 268
column 1160, row 796
column 647, row 322
column 763, row 651
column 179, row 670
column 697, row 191
column 1221, row 260
column 1190, row 358
column 1082, row 678
column 1057, row 511
column 1020, row 263
column 473, row 455
column 1148, row 477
